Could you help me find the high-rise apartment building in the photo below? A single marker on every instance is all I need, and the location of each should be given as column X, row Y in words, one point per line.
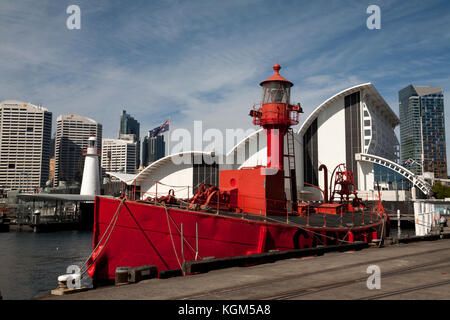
column 25, row 134
column 422, row 129
column 72, row 134
column 118, row 155
column 153, row 148
column 128, row 126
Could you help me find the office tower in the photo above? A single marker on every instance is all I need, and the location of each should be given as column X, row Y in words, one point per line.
column 72, row 134
column 128, row 125
column 422, row 129
column 153, row 148
column 25, row 135
column 119, row 155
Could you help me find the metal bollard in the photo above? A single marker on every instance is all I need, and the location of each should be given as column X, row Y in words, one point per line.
column 142, row 273
column 121, row 276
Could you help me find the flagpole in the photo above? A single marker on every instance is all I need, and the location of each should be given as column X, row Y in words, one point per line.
column 168, row 140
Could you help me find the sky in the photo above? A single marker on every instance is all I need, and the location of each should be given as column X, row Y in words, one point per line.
column 204, row 60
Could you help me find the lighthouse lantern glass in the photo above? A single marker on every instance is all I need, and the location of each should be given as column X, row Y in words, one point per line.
column 91, row 143
column 276, row 92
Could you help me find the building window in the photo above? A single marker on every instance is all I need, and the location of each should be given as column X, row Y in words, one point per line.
column 310, row 155
column 352, row 131
column 205, row 173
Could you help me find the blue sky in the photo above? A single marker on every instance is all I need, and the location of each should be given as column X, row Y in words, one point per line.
column 203, row 60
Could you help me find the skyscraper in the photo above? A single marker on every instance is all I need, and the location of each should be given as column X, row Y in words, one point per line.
column 422, row 129
column 25, row 134
column 128, row 125
column 72, row 134
column 153, row 148
column 119, row 155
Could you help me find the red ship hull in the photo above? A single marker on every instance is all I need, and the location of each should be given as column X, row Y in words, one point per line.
column 149, row 234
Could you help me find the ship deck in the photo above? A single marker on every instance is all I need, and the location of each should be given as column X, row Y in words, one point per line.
column 313, row 220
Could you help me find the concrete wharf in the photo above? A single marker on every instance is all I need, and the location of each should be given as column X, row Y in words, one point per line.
column 414, row 270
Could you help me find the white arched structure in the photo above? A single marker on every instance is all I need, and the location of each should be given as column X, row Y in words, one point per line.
column 416, row 181
column 355, row 120
column 250, row 151
column 171, row 172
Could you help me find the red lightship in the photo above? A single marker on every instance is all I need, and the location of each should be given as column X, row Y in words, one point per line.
column 248, row 213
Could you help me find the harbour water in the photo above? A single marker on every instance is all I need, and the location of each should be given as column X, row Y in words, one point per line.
column 31, row 262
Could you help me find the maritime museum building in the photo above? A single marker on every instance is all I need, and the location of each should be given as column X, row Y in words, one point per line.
column 342, row 130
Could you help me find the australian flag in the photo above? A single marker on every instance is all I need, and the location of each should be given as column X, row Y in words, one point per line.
column 407, row 163
column 162, row 128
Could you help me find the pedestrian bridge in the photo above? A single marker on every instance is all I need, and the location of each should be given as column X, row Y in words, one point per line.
column 415, row 180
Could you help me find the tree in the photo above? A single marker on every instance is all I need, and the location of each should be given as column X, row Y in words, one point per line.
column 440, row 190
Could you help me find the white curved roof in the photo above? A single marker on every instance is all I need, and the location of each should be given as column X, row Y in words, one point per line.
column 130, row 179
column 370, row 89
column 124, row 177
column 242, row 142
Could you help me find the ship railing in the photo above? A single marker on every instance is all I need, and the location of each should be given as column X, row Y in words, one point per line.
column 277, row 207
column 247, row 208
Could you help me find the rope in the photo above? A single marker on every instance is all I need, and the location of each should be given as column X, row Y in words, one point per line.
column 184, row 240
column 113, row 223
column 171, row 238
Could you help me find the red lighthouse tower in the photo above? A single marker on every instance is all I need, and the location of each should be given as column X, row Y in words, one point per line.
column 276, row 115
column 261, row 189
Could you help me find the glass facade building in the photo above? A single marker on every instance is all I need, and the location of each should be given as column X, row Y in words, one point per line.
column 129, row 125
column 422, row 129
column 153, row 148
